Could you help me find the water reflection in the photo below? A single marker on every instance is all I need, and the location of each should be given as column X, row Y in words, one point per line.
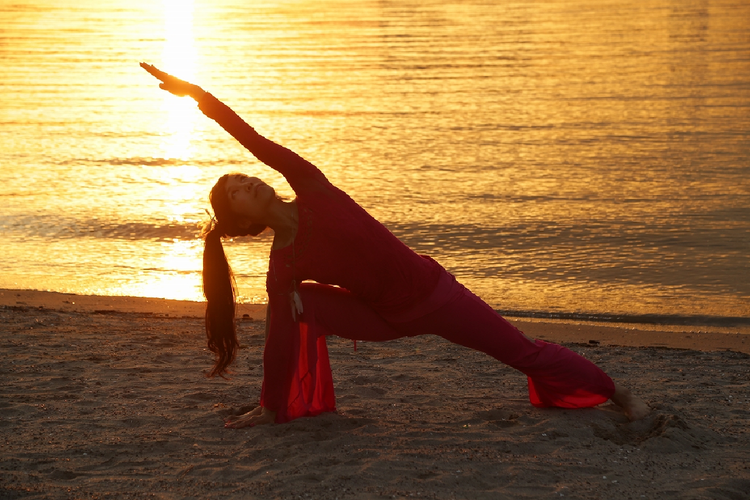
column 556, row 156
column 178, row 188
column 179, row 57
column 172, row 268
column 174, row 272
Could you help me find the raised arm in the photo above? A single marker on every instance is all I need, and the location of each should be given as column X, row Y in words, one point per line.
column 293, row 167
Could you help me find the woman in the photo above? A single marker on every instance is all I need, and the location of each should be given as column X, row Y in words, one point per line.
column 383, row 290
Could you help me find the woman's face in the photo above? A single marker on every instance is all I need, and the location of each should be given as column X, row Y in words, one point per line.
column 249, row 198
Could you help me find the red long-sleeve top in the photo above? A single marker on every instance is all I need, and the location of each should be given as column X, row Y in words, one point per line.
column 337, row 243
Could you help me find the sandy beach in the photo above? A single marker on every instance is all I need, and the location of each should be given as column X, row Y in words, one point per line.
column 105, row 397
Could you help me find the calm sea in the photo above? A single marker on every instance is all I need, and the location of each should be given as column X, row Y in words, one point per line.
column 572, row 159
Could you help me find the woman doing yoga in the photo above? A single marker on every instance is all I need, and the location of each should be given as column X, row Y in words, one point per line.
column 367, row 285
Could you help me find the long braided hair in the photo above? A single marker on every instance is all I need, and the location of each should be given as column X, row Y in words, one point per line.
column 218, row 281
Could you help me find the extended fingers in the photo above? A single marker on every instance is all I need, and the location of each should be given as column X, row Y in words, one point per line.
column 247, row 420
column 151, row 69
column 240, row 422
column 157, row 73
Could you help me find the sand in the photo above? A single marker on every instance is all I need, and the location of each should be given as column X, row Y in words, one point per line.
column 106, row 398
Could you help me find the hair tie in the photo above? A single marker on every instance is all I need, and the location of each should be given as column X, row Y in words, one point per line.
column 211, row 226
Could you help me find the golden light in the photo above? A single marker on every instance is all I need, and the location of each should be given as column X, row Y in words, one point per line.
column 182, row 258
column 175, row 263
column 179, row 58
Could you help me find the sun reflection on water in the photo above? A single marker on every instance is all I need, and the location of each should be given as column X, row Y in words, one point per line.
column 179, row 189
column 179, row 57
column 174, row 275
column 174, row 265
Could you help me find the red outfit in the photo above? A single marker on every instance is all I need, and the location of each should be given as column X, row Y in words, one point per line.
column 383, row 291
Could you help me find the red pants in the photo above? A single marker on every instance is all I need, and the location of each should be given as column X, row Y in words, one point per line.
column 557, row 376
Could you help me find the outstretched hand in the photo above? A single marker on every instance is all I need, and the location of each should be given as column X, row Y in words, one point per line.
column 173, row 84
column 259, row 416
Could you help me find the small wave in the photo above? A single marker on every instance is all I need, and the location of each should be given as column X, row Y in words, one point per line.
column 64, row 229
column 139, row 161
column 644, row 319
column 139, row 230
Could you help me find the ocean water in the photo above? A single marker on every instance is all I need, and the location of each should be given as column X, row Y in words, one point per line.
column 565, row 159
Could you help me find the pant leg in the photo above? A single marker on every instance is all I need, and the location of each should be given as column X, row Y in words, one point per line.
column 334, row 311
column 327, row 310
column 557, row 376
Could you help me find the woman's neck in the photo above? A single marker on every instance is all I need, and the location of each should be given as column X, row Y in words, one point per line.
column 284, row 223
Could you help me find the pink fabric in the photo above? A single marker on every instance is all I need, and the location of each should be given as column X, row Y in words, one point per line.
column 556, row 375
column 310, row 383
column 383, row 291
column 338, row 243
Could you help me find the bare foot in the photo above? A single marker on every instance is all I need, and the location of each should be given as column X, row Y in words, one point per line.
column 633, row 407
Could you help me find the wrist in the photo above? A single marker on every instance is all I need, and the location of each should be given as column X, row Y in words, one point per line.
column 198, row 94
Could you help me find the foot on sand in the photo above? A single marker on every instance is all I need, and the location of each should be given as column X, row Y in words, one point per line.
column 633, row 407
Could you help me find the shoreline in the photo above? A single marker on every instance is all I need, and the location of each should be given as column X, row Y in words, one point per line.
column 565, row 331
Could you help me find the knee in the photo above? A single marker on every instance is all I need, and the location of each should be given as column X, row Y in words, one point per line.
column 315, row 291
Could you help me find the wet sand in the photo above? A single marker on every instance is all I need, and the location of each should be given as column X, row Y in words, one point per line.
column 105, row 398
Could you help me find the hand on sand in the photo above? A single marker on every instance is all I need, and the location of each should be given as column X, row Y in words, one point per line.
column 173, row 84
column 258, row 416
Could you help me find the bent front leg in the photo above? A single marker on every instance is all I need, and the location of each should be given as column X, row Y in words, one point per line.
column 335, row 311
